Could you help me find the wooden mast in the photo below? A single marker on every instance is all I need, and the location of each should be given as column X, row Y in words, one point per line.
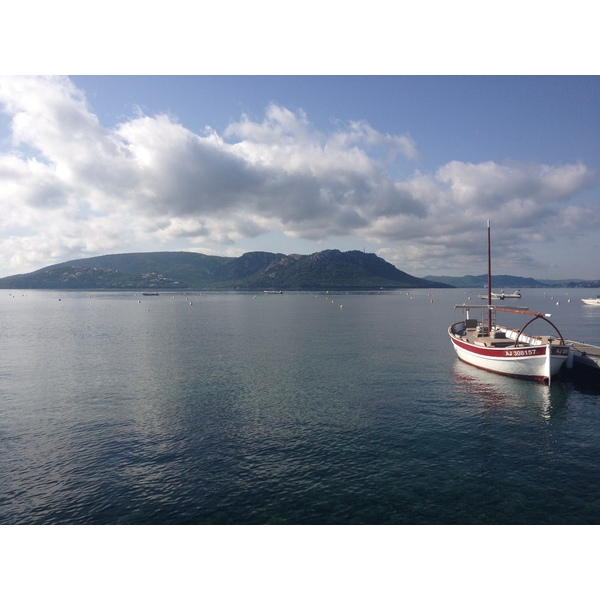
column 489, row 280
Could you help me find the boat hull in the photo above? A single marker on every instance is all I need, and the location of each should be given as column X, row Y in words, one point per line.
column 591, row 301
column 525, row 362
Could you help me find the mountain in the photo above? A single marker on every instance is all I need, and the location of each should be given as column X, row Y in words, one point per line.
column 506, row 282
column 571, row 283
column 171, row 270
column 480, row 281
column 329, row 269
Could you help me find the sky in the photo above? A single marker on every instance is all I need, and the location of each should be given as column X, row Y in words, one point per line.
column 407, row 167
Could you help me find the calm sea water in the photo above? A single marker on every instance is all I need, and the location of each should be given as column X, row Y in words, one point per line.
column 224, row 408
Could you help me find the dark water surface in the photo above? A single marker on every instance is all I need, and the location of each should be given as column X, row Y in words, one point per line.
column 116, row 408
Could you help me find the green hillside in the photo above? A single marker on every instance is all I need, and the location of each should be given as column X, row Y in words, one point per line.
column 480, row 281
column 329, row 269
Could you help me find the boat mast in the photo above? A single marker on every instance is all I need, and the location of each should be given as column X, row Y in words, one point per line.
column 489, row 280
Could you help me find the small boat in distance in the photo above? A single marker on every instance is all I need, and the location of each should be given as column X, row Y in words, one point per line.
column 592, row 301
column 502, row 295
column 489, row 346
column 149, row 293
column 515, row 294
column 273, row 292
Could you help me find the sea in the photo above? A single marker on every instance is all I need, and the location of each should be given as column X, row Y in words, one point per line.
column 307, row 408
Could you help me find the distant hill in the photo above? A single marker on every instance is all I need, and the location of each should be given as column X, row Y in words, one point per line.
column 571, row 283
column 480, row 281
column 329, row 269
column 506, row 282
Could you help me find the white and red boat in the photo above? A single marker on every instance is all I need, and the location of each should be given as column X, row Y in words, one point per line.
column 486, row 345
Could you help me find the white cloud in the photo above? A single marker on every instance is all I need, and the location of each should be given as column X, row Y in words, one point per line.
column 71, row 187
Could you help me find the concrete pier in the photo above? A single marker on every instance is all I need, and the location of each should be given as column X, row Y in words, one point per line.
column 586, row 362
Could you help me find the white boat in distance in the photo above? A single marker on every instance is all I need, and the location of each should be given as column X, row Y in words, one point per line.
column 273, row 292
column 592, row 301
column 502, row 295
column 489, row 346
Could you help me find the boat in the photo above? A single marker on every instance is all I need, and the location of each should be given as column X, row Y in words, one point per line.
column 273, row 292
column 592, row 301
column 149, row 293
column 487, row 345
column 502, row 295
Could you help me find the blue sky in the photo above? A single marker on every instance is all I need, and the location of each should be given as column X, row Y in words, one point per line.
column 408, row 167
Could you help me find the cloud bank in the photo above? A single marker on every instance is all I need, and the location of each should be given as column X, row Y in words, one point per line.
column 72, row 188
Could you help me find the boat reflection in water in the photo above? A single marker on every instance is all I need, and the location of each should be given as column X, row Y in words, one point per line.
column 495, row 391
